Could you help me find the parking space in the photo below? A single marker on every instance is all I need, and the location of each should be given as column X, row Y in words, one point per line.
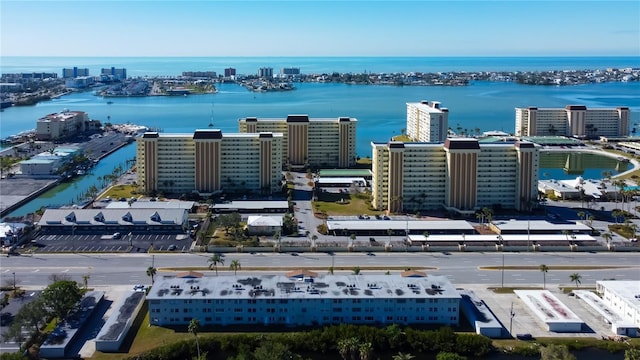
column 7, row 315
column 52, row 243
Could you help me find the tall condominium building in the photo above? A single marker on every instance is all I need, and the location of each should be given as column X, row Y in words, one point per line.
column 309, row 300
column 209, row 162
column 61, row 125
column 461, row 175
column 427, row 121
column 229, row 72
column 318, row 143
column 574, row 120
column 118, row 74
column 265, row 72
column 74, row 72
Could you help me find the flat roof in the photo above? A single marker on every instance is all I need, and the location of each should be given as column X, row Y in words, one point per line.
column 344, row 172
column 538, row 225
column 186, row 205
column 538, row 238
column 340, row 180
column 253, row 205
column 596, row 303
column 334, row 286
column 547, row 307
column 425, row 225
column 484, row 318
column 627, row 289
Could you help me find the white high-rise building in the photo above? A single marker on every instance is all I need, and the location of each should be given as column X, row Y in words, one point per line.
column 574, row 120
column 427, row 121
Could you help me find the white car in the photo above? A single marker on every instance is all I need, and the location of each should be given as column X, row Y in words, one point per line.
column 139, row 288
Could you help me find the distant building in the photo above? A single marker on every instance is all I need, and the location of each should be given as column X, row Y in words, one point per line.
column 302, row 298
column 74, row 72
column 209, row 162
column 229, row 72
column 308, row 142
column 116, row 74
column 427, row 121
column 623, row 297
column 265, row 72
column 23, row 78
column 461, row 175
column 79, row 82
column 573, row 120
column 61, row 125
column 199, row 74
column 290, row 71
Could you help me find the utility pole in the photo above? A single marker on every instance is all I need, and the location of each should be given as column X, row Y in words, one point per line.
column 502, row 250
column 14, row 282
column 511, row 315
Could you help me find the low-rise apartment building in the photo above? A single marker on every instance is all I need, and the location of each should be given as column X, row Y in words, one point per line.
column 460, row 175
column 61, row 125
column 209, row 162
column 573, row 120
column 315, row 143
column 307, row 300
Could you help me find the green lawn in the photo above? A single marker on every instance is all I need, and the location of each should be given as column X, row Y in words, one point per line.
column 353, row 204
column 120, row 191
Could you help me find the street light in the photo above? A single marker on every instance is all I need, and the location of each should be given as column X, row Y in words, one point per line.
column 502, row 250
column 511, row 315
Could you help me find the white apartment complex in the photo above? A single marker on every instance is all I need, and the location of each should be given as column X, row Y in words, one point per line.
column 316, row 143
column 461, row 175
column 60, row 125
column 427, row 121
column 209, row 161
column 623, row 296
column 305, row 301
column 573, row 120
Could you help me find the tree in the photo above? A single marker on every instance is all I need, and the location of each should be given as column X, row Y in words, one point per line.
column 62, row 297
column 402, row 356
column 544, row 269
column 607, row 237
column 445, row 355
column 214, row 261
column 273, row 350
column 235, row 266
column 194, row 327
column 366, row 350
column 632, row 354
column 151, row 272
column 356, row 270
column 575, row 277
column 85, row 280
column 555, row 352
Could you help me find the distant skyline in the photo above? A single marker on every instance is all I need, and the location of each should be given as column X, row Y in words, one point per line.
column 319, row 28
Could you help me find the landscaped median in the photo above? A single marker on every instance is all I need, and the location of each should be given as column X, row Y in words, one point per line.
column 313, row 268
column 558, row 267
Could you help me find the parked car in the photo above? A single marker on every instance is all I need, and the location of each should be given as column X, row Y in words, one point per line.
column 117, row 235
column 172, row 247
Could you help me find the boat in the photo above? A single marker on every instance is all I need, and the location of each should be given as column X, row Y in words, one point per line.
column 109, row 102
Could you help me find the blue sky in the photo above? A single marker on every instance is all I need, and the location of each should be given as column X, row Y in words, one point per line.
column 319, row 28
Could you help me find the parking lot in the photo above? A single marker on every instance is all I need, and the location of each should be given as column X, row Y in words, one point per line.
column 51, row 243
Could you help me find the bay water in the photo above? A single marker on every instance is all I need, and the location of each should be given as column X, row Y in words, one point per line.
column 380, row 109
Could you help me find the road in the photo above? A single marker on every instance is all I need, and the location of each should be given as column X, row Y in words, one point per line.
column 461, row 268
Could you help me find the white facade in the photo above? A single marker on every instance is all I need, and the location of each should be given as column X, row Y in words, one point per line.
column 623, row 297
column 550, row 311
column 427, row 121
column 574, row 120
column 279, row 300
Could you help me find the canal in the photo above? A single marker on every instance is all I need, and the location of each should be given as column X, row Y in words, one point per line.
column 72, row 192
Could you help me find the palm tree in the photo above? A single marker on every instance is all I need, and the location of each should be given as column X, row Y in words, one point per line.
column 581, row 215
column 607, row 237
column 366, row 350
column 575, row 277
column 194, row 327
column 402, row 356
column 356, row 270
column 235, row 266
column 214, row 261
column 151, row 272
column 85, row 280
column 544, row 269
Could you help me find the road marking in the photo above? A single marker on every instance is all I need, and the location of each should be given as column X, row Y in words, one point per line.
column 36, row 270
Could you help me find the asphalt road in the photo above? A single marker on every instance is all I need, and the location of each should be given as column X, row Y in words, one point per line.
column 461, row 268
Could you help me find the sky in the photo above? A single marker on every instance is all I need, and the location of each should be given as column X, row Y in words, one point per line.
column 319, row 28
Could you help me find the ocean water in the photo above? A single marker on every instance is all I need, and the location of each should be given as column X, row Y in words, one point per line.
column 380, row 109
